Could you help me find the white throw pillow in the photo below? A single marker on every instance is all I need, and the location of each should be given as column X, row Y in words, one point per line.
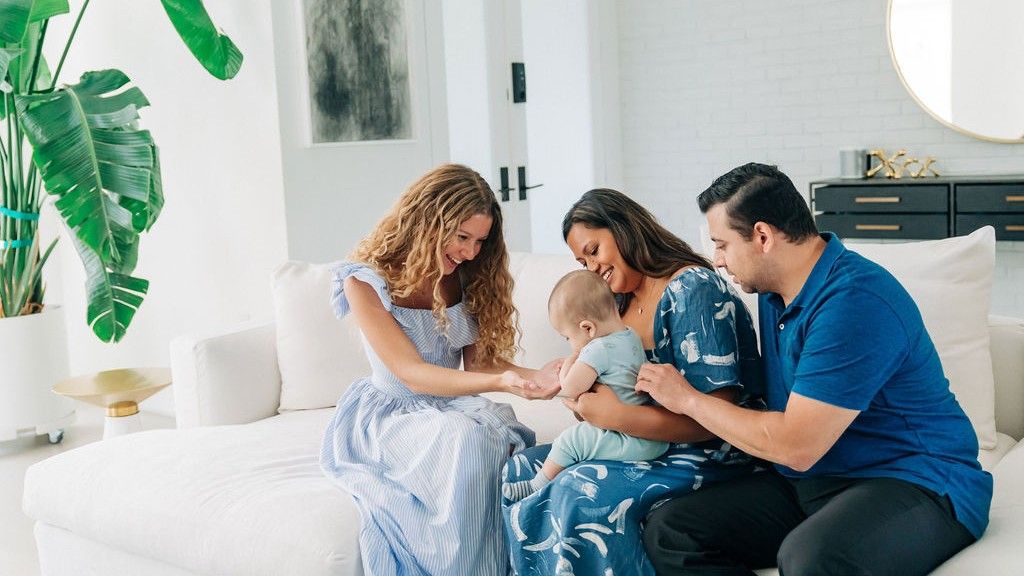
column 535, row 275
column 951, row 282
column 318, row 355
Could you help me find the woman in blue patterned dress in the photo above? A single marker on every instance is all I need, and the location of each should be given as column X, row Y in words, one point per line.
column 418, row 450
column 587, row 522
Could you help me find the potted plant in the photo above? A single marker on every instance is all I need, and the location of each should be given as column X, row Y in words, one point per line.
column 81, row 144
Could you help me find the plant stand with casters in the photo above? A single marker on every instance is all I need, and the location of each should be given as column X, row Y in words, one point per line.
column 34, row 352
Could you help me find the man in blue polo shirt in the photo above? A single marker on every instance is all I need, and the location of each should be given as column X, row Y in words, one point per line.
column 875, row 463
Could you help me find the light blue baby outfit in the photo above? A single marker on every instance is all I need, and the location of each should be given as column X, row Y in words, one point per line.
column 423, row 470
column 616, row 358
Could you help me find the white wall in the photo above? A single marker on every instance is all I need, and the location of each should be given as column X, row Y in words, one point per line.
column 210, row 255
column 706, row 86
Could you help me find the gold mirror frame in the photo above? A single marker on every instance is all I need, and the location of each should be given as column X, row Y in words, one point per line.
column 922, row 105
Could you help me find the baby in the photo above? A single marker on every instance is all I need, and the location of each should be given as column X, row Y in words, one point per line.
column 582, row 308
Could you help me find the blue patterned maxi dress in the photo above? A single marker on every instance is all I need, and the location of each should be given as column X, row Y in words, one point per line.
column 423, row 470
column 587, row 521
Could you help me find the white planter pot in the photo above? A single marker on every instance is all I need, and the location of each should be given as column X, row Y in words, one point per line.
column 33, row 357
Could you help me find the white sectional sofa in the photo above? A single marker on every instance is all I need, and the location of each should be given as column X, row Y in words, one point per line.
column 237, row 488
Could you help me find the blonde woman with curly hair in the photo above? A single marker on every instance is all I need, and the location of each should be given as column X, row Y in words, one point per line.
column 419, row 451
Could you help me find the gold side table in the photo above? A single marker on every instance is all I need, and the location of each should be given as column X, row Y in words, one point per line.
column 119, row 391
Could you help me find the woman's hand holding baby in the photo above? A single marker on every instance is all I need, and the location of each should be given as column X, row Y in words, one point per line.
column 598, row 406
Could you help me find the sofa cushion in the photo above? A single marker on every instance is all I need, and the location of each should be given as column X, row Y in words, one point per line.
column 1009, row 480
column 1007, row 348
column 318, row 355
column 247, row 499
column 990, row 458
column 998, row 551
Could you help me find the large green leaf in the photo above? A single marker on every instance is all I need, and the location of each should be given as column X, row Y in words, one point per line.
column 6, row 55
column 113, row 297
column 46, row 9
column 215, row 51
column 14, row 19
column 105, row 175
column 95, row 161
column 21, row 66
column 16, row 15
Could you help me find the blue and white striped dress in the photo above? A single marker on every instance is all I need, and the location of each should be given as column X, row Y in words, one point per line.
column 424, row 470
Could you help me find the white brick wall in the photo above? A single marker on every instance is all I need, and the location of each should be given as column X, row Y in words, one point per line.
column 706, row 86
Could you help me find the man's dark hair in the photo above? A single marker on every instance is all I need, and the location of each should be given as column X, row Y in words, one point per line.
column 760, row 193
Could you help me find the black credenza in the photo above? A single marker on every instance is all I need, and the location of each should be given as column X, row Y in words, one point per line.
column 920, row 208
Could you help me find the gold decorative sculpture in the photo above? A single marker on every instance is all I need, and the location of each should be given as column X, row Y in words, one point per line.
column 888, row 164
column 926, row 166
column 893, row 168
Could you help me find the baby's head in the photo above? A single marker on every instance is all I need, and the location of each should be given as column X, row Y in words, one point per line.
column 582, row 307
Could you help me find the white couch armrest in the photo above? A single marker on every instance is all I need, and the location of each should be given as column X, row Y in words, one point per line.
column 1007, row 345
column 225, row 377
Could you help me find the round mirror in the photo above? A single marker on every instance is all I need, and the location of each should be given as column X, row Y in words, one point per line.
column 963, row 61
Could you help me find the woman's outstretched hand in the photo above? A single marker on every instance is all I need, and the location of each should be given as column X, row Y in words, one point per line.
column 542, row 386
column 665, row 385
column 598, row 406
column 546, row 378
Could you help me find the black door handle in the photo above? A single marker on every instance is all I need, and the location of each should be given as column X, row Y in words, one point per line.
column 522, row 183
column 504, row 190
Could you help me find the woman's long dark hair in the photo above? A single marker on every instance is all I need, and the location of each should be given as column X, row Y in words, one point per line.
column 645, row 245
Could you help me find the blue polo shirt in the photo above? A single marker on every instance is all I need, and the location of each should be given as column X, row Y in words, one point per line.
column 854, row 338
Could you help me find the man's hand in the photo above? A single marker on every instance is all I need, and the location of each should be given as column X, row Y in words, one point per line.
column 666, row 386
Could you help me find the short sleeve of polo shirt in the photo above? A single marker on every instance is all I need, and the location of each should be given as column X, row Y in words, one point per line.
column 853, row 345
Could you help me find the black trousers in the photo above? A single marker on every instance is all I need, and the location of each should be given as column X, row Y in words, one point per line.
column 835, row 526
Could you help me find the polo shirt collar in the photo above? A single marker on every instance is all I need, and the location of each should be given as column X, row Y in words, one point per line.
column 818, row 277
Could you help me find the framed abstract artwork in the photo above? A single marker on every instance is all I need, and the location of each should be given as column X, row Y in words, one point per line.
column 358, row 70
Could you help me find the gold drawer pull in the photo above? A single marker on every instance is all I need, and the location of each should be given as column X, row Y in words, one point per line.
column 878, row 227
column 1014, row 227
column 884, row 200
column 1019, row 198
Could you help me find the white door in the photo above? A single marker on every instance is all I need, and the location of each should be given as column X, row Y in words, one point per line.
column 511, row 133
column 346, row 156
column 487, row 130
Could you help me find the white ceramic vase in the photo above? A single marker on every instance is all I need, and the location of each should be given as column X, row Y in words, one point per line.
column 33, row 357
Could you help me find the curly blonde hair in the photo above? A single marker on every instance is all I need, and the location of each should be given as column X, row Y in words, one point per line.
column 407, row 248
